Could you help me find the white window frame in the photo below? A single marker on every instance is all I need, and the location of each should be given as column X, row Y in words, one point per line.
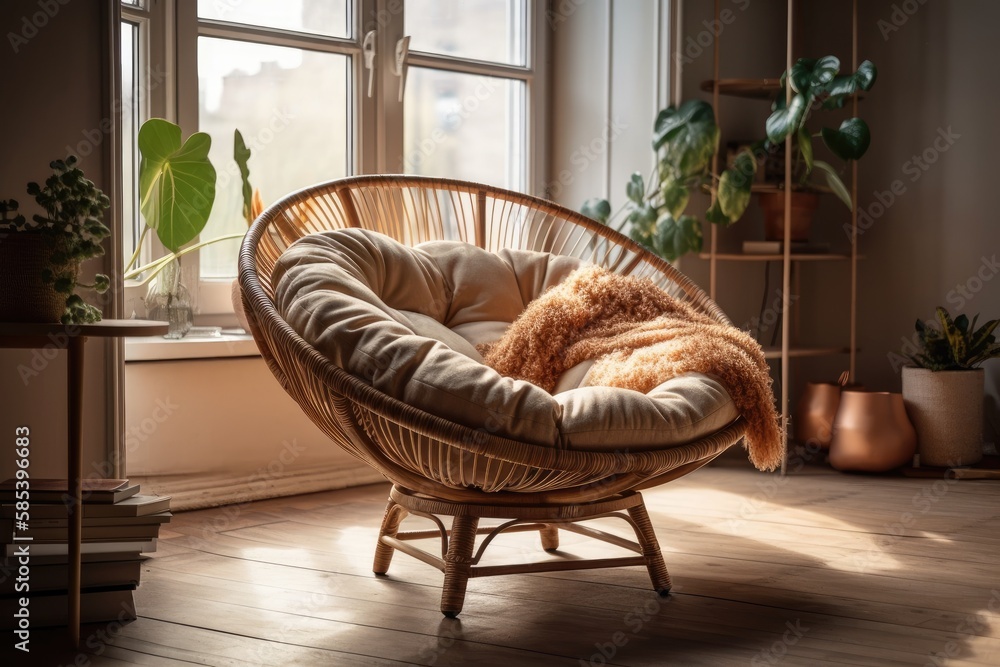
column 170, row 29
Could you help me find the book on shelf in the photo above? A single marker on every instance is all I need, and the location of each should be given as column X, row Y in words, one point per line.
column 9, row 562
column 777, row 247
column 39, row 533
column 61, row 548
column 95, row 491
column 37, row 522
column 134, row 506
column 96, row 606
column 93, row 574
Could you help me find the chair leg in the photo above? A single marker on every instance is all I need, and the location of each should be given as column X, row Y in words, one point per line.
column 650, row 549
column 550, row 537
column 394, row 515
column 458, row 562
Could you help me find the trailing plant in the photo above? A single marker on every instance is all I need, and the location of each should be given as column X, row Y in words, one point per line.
column 72, row 223
column 957, row 345
column 817, row 83
column 685, row 138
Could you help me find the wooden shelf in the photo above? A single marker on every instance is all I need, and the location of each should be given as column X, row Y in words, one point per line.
column 801, row 352
column 755, row 89
column 776, row 257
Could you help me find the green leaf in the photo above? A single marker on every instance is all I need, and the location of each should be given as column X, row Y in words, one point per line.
column 983, row 338
column 833, row 180
column 842, row 87
column 635, row 189
column 783, row 121
column 598, row 209
column 675, row 197
column 850, row 141
column 241, row 154
column 176, row 182
column 715, row 215
column 811, row 75
column 955, row 338
column 806, row 148
column 671, row 122
column 731, row 197
column 674, row 238
column 962, row 322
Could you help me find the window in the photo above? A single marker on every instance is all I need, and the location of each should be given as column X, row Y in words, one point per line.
column 457, row 97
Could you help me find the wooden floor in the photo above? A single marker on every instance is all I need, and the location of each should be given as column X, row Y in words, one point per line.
column 816, row 568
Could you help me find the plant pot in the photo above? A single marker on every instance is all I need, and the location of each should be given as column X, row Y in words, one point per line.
column 816, row 411
column 946, row 408
column 23, row 295
column 871, row 433
column 237, row 297
column 804, row 205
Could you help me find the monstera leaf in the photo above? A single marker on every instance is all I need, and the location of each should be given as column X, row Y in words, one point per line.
column 176, row 182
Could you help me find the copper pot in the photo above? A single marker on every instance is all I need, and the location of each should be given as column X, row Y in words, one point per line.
column 871, row 432
column 804, row 205
column 813, row 420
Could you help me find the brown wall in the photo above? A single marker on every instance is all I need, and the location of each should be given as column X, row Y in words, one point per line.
column 52, row 95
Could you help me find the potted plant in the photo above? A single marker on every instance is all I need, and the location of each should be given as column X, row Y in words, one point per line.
column 815, row 83
column 40, row 258
column 684, row 140
column 943, row 392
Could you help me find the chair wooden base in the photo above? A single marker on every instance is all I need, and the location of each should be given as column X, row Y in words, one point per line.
column 460, row 559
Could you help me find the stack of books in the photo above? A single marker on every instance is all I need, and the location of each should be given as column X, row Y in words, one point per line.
column 119, row 525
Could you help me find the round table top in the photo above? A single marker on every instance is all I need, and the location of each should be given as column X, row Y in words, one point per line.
column 106, row 328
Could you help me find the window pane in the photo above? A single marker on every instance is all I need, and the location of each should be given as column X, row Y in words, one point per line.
column 464, row 126
column 492, row 30
column 322, row 17
column 130, row 121
column 292, row 108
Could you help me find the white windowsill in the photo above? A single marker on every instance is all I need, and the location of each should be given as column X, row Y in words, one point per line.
column 190, row 347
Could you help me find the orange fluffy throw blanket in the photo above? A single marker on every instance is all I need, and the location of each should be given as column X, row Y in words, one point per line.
column 640, row 337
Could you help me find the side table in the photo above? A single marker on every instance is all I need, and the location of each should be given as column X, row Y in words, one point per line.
column 72, row 337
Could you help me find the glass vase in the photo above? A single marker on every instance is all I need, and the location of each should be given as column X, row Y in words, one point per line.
column 168, row 300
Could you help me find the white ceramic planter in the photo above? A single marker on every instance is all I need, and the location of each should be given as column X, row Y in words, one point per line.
column 946, row 408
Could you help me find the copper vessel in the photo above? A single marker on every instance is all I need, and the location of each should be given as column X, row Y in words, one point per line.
column 813, row 420
column 871, row 432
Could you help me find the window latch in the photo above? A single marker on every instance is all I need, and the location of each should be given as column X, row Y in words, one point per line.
column 368, row 49
column 402, row 54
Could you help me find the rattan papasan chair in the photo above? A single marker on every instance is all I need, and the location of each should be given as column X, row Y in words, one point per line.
column 446, row 463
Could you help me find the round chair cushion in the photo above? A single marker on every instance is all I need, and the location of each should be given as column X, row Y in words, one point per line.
column 407, row 320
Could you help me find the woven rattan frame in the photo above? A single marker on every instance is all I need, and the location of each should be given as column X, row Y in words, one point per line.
column 430, row 460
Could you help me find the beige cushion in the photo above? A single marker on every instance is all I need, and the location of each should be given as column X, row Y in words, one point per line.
column 407, row 320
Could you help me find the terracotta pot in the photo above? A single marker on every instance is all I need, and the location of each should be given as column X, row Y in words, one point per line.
column 946, row 408
column 871, row 432
column 23, row 295
column 804, row 205
column 812, row 422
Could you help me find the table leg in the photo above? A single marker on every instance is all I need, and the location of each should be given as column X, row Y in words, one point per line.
column 74, row 473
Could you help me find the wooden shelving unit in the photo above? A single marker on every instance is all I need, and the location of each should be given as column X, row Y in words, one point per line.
column 765, row 89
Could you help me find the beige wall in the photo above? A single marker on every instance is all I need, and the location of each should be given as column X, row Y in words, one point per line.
column 52, row 78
